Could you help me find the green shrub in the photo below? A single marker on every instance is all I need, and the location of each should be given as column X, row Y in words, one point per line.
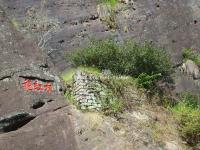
column 190, row 99
column 189, row 121
column 70, row 97
column 192, row 55
column 147, row 81
column 112, row 105
column 127, row 59
column 187, row 112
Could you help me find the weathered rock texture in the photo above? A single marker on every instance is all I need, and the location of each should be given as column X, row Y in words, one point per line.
column 25, row 124
column 134, row 130
column 63, row 25
column 188, row 77
column 190, row 68
column 14, row 121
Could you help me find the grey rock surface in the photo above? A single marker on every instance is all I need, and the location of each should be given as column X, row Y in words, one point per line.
column 22, row 124
column 14, row 121
column 49, row 131
column 61, row 26
column 190, row 68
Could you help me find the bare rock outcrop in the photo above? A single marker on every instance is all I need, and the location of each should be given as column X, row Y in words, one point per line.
column 190, row 68
column 32, row 116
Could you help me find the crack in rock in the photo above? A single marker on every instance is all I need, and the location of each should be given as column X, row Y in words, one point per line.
column 36, row 78
column 14, row 121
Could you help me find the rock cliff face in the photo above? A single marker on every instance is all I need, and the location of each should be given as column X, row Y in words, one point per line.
column 30, row 119
column 36, row 34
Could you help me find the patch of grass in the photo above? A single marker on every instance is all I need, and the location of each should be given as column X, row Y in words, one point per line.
column 128, row 59
column 92, row 70
column 160, row 131
column 70, row 98
column 190, row 99
column 15, row 23
column 93, row 120
column 188, row 117
column 112, row 105
column 110, row 2
column 116, row 105
column 192, row 55
column 118, row 83
column 187, row 113
column 67, row 76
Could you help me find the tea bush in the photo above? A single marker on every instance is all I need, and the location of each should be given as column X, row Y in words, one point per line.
column 187, row 113
column 192, row 55
column 129, row 58
column 147, row 81
column 189, row 121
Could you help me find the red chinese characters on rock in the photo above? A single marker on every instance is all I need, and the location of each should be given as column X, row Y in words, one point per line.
column 28, row 85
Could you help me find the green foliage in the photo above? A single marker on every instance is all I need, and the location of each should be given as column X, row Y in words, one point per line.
column 116, row 105
column 67, row 76
column 92, row 70
column 192, row 55
column 147, row 81
column 127, row 59
column 111, row 105
column 190, row 99
column 188, row 115
column 187, row 112
column 110, row 2
column 100, row 54
column 117, row 84
column 70, row 98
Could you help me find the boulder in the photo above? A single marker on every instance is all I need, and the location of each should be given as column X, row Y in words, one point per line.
column 190, row 68
column 49, row 131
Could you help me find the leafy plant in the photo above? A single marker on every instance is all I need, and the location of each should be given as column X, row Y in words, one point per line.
column 118, row 83
column 189, row 121
column 127, row 59
column 147, row 81
column 188, row 115
column 112, row 105
column 70, row 97
column 190, row 99
column 192, row 55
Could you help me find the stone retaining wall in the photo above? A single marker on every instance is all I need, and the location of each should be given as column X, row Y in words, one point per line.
column 88, row 90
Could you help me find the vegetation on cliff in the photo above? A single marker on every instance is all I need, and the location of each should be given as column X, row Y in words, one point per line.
column 129, row 58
